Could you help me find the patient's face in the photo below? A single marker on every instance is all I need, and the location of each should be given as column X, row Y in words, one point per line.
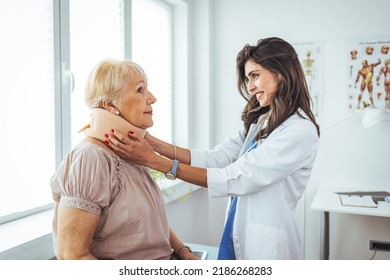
column 136, row 104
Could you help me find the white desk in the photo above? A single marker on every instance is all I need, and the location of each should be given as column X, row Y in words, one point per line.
column 327, row 200
column 212, row 252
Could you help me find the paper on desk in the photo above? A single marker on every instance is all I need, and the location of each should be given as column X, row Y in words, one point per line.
column 357, row 200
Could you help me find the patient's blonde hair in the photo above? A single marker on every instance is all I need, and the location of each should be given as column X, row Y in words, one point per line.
column 108, row 80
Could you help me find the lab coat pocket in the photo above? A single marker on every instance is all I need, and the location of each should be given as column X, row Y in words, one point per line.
column 265, row 242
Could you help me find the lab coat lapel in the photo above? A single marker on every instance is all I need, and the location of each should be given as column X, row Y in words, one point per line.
column 253, row 130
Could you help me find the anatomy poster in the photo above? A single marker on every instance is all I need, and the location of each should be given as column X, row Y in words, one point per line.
column 311, row 58
column 368, row 72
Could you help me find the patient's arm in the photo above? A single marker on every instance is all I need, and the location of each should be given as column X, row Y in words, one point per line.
column 177, row 245
column 75, row 230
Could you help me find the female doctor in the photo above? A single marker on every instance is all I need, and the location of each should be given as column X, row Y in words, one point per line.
column 264, row 168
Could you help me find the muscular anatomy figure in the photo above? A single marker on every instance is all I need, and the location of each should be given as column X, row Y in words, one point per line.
column 366, row 72
column 385, row 70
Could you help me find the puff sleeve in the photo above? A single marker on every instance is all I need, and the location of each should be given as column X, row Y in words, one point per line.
column 83, row 180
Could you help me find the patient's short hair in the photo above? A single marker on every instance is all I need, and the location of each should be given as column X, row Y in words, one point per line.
column 108, row 80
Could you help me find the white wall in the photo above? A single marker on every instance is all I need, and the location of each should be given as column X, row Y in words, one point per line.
column 199, row 219
column 349, row 155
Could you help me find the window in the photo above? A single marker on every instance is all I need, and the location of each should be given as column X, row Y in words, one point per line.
column 27, row 115
column 95, row 34
column 152, row 49
column 47, row 52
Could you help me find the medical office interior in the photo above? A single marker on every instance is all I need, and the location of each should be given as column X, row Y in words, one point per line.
column 204, row 107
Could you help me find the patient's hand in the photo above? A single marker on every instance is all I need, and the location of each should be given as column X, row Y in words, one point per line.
column 185, row 254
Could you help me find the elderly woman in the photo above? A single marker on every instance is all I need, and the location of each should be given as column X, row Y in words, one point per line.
column 107, row 207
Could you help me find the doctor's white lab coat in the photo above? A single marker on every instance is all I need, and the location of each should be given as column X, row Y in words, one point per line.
column 268, row 181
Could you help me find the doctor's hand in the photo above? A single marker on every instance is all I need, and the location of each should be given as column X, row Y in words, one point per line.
column 133, row 147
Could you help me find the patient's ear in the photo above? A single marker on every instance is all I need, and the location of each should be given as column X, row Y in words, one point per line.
column 110, row 107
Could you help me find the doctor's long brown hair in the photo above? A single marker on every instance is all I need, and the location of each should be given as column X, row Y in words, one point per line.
column 278, row 56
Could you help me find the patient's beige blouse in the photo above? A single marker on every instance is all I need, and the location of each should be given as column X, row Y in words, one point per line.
column 133, row 222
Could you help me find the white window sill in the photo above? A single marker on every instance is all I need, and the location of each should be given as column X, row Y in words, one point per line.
column 176, row 191
column 16, row 234
column 23, row 231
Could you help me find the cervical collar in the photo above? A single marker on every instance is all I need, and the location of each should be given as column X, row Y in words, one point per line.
column 102, row 121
